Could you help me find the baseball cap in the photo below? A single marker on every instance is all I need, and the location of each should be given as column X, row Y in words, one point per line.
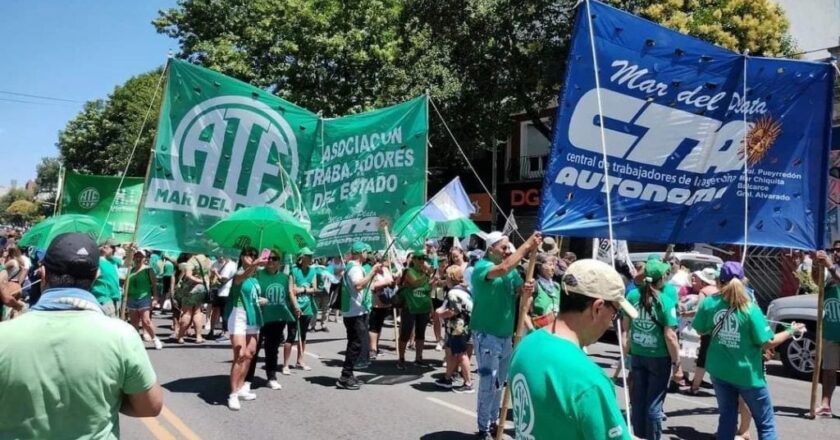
column 72, row 254
column 597, row 279
column 109, row 242
column 431, row 243
column 549, row 246
column 306, row 251
column 731, row 269
column 655, row 270
column 493, row 238
column 359, row 247
column 707, row 275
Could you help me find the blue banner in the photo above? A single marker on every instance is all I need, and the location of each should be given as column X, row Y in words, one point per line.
column 677, row 116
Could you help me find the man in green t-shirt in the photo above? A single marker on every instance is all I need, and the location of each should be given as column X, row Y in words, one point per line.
column 72, row 380
column 106, row 288
column 831, row 328
column 557, row 391
column 495, row 286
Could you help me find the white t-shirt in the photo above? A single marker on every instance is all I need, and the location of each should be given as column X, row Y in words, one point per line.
column 354, row 275
column 227, row 271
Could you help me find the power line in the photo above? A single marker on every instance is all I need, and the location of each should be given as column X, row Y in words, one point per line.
column 49, row 98
column 27, row 102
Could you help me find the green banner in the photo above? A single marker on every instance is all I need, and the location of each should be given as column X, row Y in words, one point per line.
column 223, row 144
column 95, row 195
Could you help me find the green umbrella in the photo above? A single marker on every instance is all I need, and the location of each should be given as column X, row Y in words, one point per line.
column 262, row 227
column 43, row 233
column 413, row 228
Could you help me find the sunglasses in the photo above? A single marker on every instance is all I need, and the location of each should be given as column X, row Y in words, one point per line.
column 835, row 250
column 273, row 258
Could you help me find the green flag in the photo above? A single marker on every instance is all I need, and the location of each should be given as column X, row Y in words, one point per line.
column 97, row 195
column 223, row 144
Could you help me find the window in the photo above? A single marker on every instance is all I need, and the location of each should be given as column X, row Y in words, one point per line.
column 534, row 151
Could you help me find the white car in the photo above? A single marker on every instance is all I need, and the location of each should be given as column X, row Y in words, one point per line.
column 799, row 356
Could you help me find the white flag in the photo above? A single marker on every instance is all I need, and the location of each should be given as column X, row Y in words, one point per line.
column 510, row 225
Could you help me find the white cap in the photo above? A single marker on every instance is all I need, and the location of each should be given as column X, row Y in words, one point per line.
column 707, row 275
column 493, row 238
column 597, row 279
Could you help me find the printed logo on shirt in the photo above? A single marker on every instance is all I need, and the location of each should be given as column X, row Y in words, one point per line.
column 729, row 335
column 643, row 326
column 832, row 310
column 276, row 294
column 523, row 408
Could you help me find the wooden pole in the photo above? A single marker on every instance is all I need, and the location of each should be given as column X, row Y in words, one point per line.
column 815, row 378
column 520, row 328
column 137, row 224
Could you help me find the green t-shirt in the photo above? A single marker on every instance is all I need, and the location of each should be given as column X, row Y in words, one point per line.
column 107, row 284
column 494, row 301
column 168, row 269
column 831, row 313
column 154, row 263
column 417, row 300
column 304, row 300
column 275, row 288
column 735, row 352
column 72, row 367
column 647, row 335
column 546, row 298
column 246, row 296
column 670, row 291
column 559, row 393
column 140, row 284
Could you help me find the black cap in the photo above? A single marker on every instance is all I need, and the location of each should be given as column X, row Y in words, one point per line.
column 72, row 254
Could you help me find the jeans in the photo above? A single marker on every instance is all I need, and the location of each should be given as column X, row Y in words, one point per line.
column 758, row 401
column 358, row 346
column 493, row 356
column 650, row 384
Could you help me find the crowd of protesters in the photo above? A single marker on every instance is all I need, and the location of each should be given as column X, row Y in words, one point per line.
column 267, row 300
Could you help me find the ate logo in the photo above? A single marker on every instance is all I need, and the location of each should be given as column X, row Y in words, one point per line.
column 242, row 242
column 523, row 408
column 275, row 293
column 832, row 310
column 88, row 198
column 235, row 144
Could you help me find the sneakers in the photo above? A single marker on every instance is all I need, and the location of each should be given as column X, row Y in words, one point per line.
column 444, row 382
column 274, row 385
column 303, row 367
column 158, row 344
column 400, row 365
column 286, row 371
column 245, row 392
column 824, row 411
column 373, row 355
column 464, row 389
column 233, row 402
column 348, row 383
column 484, row 435
column 439, row 346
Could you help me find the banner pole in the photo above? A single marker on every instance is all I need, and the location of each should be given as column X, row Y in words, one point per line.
column 520, row 328
column 60, row 192
column 815, row 378
column 426, row 171
column 137, row 222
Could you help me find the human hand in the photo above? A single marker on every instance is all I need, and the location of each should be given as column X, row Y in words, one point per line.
column 297, row 312
column 262, row 301
column 528, row 288
column 534, row 241
column 822, row 257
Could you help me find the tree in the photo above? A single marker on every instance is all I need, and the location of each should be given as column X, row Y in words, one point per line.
column 22, row 212
column 47, row 174
column 8, row 199
column 100, row 138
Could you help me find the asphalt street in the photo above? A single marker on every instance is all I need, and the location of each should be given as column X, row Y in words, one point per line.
column 392, row 404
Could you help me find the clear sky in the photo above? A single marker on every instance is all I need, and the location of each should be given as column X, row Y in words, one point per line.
column 76, row 50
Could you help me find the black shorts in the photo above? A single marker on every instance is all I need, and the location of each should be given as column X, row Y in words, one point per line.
column 167, row 285
column 377, row 318
column 219, row 301
column 413, row 322
column 704, row 348
column 458, row 344
column 292, row 327
column 436, row 303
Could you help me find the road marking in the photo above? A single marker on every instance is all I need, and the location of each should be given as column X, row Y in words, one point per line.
column 312, row 355
column 463, row 411
column 179, row 424
column 373, row 379
column 157, row 430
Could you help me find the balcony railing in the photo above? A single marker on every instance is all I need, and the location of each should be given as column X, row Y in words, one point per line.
column 532, row 167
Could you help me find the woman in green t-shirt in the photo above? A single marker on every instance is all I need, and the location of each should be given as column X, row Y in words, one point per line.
column 739, row 335
column 141, row 288
column 655, row 350
column 415, row 294
column 244, row 321
column 544, row 305
column 303, row 285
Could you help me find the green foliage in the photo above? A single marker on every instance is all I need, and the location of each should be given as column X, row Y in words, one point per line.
column 47, row 174
column 10, row 198
column 22, row 211
column 100, row 138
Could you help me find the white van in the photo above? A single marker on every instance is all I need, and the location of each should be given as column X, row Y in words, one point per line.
column 694, row 261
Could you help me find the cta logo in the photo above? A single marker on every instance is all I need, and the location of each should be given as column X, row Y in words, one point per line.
column 235, row 144
column 88, row 198
column 350, row 226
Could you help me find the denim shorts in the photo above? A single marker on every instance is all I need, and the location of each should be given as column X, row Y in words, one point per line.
column 138, row 305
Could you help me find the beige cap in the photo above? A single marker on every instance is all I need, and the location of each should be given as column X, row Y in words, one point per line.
column 549, row 246
column 597, row 279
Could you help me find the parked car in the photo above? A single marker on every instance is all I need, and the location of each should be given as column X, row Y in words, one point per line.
column 692, row 260
column 798, row 357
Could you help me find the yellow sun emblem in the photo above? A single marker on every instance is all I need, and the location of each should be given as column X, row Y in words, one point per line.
column 760, row 138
